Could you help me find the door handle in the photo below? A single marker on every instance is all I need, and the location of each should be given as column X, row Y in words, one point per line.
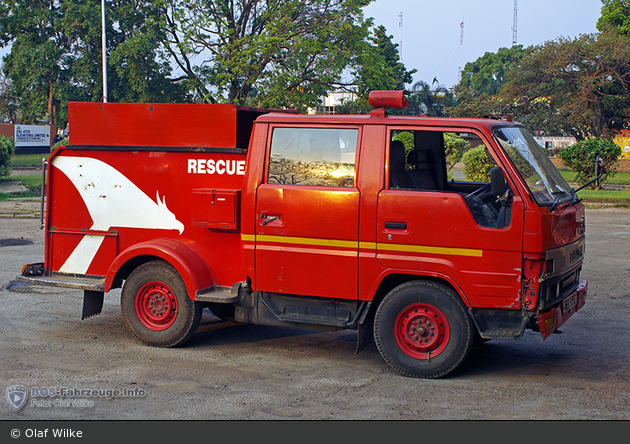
column 268, row 219
column 396, row 225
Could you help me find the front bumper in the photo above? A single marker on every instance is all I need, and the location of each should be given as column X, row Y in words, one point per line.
column 552, row 318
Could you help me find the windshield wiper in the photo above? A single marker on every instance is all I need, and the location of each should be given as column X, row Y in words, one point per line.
column 556, row 198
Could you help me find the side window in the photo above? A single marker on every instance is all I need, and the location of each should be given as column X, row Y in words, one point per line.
column 467, row 159
column 456, row 162
column 313, row 156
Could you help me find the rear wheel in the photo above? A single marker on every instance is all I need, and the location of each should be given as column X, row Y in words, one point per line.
column 422, row 330
column 156, row 306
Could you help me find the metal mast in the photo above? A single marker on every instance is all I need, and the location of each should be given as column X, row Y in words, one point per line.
column 461, row 47
column 514, row 25
column 104, row 44
column 400, row 29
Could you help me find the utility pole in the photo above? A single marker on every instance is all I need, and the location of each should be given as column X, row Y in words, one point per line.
column 514, row 25
column 461, row 48
column 400, row 29
column 104, row 45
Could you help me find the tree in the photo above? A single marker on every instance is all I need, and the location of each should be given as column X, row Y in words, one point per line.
column 585, row 81
column 615, row 17
column 56, row 55
column 271, row 53
column 7, row 148
column 469, row 102
column 581, row 157
column 490, row 72
column 378, row 67
column 476, row 94
column 477, row 165
column 8, row 103
column 429, row 100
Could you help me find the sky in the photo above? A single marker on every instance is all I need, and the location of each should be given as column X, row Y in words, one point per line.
column 431, row 30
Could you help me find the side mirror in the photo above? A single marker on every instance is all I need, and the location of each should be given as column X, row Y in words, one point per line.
column 497, row 182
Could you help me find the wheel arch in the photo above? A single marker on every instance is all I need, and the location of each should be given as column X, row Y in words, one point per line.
column 393, row 280
column 188, row 264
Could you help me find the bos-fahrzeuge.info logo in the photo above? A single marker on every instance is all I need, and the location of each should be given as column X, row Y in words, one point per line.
column 17, row 396
column 46, row 397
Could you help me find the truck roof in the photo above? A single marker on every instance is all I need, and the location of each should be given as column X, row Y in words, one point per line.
column 366, row 119
column 205, row 127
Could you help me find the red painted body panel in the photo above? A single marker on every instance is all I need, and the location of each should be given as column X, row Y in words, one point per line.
column 485, row 262
column 160, row 124
column 165, row 184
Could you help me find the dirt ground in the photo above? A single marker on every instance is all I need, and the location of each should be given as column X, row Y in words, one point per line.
column 233, row 371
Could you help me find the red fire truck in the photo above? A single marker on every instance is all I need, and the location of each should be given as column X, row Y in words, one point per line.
column 313, row 221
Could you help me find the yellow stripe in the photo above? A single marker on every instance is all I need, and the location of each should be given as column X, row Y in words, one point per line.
column 248, row 237
column 430, row 250
column 363, row 245
column 307, row 241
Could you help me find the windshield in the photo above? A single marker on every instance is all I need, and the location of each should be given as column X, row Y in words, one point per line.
column 540, row 175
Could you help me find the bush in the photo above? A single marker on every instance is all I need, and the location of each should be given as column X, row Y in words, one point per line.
column 454, row 147
column 7, row 148
column 477, row 165
column 582, row 155
column 61, row 142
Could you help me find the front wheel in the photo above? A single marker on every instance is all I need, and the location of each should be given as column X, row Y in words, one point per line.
column 156, row 306
column 422, row 330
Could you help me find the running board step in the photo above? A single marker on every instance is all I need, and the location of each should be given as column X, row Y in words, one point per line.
column 82, row 283
column 221, row 295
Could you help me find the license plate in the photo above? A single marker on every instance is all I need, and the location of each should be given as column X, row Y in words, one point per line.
column 569, row 303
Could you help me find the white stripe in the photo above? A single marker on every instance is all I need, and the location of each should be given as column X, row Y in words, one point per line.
column 82, row 256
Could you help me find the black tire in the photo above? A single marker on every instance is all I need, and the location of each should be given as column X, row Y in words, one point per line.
column 156, row 306
column 422, row 329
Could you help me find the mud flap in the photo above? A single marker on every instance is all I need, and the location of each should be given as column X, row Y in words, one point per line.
column 365, row 329
column 92, row 303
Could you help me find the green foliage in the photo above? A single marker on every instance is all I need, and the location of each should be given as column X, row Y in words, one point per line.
column 477, row 165
column 472, row 103
column 8, row 102
column 615, row 17
column 58, row 144
column 406, row 137
column 581, row 84
column 489, row 72
column 378, row 67
column 7, row 148
column 264, row 53
column 582, row 156
column 476, row 94
column 429, row 100
column 56, row 55
column 454, row 147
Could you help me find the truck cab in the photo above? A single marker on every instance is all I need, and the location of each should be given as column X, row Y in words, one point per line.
column 360, row 222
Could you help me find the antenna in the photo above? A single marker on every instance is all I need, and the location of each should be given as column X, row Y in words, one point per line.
column 104, row 44
column 514, row 25
column 400, row 28
column 461, row 47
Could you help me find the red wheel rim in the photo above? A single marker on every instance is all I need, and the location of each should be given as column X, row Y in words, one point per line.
column 422, row 331
column 156, row 306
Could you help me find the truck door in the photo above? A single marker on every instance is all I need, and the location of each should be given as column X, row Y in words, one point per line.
column 307, row 213
column 432, row 218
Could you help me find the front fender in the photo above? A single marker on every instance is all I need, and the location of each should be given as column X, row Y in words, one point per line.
column 188, row 264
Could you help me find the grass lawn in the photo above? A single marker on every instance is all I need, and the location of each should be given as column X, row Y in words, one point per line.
column 27, row 160
column 620, row 177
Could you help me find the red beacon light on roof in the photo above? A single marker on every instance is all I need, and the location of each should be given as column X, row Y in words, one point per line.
column 387, row 99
